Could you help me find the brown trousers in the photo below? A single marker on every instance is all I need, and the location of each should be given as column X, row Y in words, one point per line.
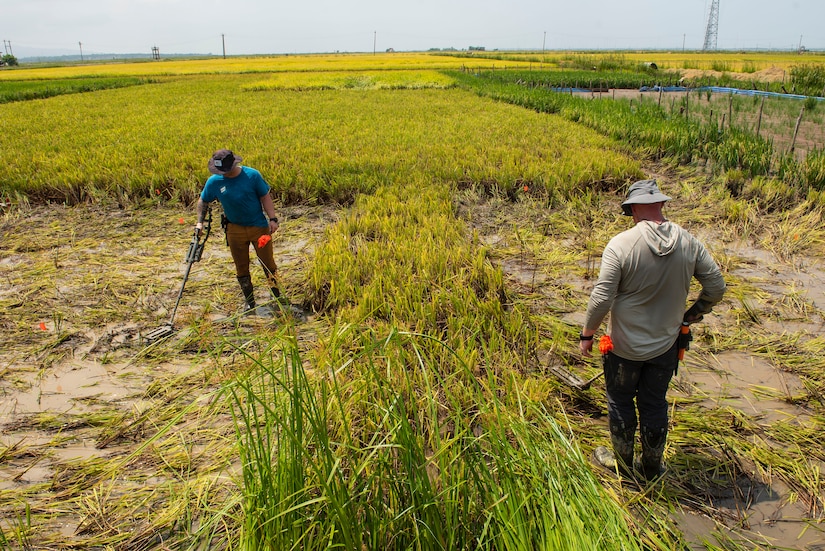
column 238, row 238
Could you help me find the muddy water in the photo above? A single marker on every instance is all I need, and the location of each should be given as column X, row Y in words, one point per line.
column 49, row 414
column 746, row 383
column 767, row 513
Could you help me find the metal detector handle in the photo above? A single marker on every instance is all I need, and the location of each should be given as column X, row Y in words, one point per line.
column 199, row 238
column 183, row 285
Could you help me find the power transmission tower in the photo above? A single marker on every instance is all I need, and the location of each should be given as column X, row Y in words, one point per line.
column 713, row 27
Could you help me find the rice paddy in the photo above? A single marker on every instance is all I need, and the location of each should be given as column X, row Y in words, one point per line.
column 443, row 245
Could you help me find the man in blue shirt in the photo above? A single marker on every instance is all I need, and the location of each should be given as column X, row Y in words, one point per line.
column 250, row 215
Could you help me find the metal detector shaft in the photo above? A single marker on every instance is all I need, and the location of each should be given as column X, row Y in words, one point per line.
column 193, row 255
column 190, row 259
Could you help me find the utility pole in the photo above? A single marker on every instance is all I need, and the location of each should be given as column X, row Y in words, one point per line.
column 374, row 41
column 683, row 42
column 81, row 50
column 223, row 45
column 543, row 41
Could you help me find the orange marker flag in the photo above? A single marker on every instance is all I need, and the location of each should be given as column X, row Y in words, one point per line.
column 605, row 344
column 263, row 240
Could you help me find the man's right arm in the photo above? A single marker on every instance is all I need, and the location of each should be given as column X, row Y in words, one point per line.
column 601, row 298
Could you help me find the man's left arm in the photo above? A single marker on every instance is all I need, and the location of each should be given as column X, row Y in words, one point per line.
column 709, row 275
column 269, row 209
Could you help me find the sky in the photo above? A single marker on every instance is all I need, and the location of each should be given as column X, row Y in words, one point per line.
column 31, row 28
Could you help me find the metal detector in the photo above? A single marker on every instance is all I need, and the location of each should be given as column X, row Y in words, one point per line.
column 192, row 255
column 571, row 379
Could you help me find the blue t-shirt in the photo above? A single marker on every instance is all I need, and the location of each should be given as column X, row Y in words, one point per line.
column 240, row 196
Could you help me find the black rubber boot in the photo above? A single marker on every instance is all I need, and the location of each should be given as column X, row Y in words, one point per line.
column 622, row 439
column 653, row 448
column 248, row 291
column 621, row 456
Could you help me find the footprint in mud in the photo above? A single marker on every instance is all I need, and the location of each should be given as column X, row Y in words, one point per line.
column 112, row 338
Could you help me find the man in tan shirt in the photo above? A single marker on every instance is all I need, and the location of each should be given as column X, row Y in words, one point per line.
column 643, row 283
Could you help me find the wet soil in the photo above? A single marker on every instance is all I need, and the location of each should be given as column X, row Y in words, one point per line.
column 73, row 365
column 79, row 380
column 742, row 503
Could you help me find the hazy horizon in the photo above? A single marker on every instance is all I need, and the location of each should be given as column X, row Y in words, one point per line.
column 44, row 28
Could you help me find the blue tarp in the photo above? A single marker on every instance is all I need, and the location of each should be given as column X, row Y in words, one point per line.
column 572, row 90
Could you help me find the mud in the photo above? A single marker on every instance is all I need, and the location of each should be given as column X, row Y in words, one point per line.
column 746, row 507
column 63, row 379
column 76, row 373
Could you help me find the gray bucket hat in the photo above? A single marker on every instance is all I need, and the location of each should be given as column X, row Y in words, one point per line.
column 223, row 161
column 643, row 192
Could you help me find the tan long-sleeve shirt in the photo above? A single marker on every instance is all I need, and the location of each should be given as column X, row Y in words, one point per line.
column 643, row 283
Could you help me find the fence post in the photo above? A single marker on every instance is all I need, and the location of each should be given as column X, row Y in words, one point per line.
column 730, row 110
column 796, row 130
column 759, row 117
